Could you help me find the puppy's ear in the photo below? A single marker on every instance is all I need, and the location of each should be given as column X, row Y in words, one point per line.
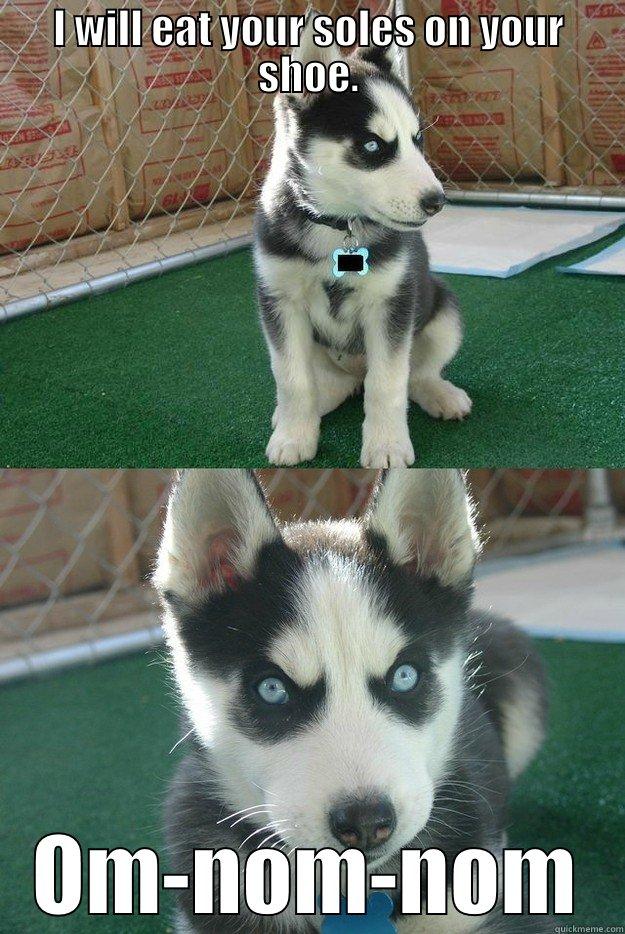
column 217, row 522
column 426, row 520
column 307, row 52
column 388, row 59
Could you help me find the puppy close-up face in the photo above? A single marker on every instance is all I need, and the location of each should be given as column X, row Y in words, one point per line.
column 360, row 151
column 322, row 663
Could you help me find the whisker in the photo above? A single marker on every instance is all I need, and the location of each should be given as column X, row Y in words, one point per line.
column 433, row 123
column 245, row 817
column 474, row 789
column 438, row 820
column 504, row 674
column 262, row 830
column 276, row 833
column 280, row 840
column 252, row 807
column 437, row 807
column 180, row 741
column 264, row 790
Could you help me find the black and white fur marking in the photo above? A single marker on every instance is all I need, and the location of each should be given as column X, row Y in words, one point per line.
column 395, row 328
column 332, row 609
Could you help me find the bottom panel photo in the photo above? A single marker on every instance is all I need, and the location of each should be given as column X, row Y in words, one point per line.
column 312, row 700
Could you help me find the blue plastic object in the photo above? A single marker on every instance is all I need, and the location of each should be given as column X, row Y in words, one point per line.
column 375, row 921
column 592, row 265
column 356, row 259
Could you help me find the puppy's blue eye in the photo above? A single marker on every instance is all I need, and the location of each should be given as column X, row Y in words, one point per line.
column 272, row 691
column 405, row 678
column 371, row 145
column 418, row 139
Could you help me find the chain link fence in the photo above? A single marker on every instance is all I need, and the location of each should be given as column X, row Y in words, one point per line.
column 77, row 546
column 120, row 163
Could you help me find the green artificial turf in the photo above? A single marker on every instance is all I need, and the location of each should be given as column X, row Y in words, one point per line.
column 87, row 753
column 173, row 371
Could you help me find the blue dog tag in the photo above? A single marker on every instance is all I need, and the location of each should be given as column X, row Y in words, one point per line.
column 376, row 920
column 350, row 260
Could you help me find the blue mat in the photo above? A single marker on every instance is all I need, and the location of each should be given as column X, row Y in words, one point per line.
column 608, row 262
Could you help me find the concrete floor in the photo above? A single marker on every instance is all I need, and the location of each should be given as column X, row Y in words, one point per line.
column 575, row 593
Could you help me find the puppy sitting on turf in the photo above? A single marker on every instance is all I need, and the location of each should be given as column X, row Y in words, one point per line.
column 339, row 689
column 349, row 187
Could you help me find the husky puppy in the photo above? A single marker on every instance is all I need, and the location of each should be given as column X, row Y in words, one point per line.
column 340, row 691
column 353, row 156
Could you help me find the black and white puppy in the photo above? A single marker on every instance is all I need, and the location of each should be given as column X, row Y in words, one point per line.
column 353, row 155
column 339, row 689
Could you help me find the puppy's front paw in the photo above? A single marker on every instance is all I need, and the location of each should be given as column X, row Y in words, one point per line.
column 440, row 398
column 386, row 448
column 292, row 444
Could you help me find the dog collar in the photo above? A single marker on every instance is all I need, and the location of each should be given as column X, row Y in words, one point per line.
column 326, row 220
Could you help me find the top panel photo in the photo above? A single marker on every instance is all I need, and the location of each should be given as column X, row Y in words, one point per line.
column 251, row 234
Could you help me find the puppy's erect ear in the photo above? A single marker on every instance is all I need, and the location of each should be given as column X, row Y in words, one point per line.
column 388, row 59
column 426, row 519
column 307, row 51
column 217, row 522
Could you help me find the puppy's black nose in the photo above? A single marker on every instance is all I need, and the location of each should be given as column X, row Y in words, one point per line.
column 363, row 822
column 432, row 202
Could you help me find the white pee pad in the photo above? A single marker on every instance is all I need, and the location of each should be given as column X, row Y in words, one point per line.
column 503, row 241
column 609, row 262
column 568, row 593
